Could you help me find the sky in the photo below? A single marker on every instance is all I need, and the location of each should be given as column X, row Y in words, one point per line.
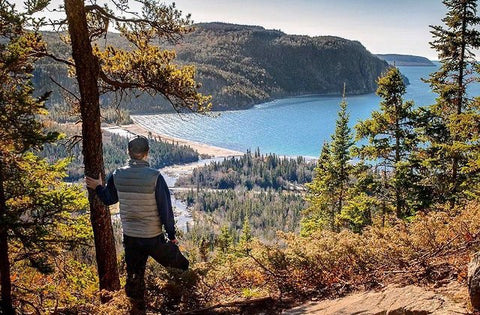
column 382, row 26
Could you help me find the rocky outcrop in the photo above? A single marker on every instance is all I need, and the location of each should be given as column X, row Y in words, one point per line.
column 473, row 281
column 411, row 300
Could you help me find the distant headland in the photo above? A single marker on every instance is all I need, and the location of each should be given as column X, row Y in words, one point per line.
column 406, row 60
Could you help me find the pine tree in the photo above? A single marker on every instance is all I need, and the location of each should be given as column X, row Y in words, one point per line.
column 321, row 193
column 342, row 142
column 47, row 219
column 362, row 203
column 391, row 140
column 19, row 128
column 450, row 126
column 35, row 206
column 328, row 191
column 246, row 236
column 225, row 239
column 145, row 67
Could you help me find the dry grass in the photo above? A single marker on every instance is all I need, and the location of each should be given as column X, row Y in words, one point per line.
column 433, row 250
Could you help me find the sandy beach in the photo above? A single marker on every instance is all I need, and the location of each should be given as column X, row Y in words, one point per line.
column 202, row 148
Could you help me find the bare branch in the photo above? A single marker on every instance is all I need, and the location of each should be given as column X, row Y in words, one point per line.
column 102, row 11
column 172, row 32
column 49, row 55
column 65, row 89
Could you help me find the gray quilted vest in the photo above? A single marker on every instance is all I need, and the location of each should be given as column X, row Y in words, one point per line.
column 135, row 184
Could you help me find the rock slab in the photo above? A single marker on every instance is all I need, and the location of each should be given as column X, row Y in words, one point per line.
column 473, row 281
column 409, row 300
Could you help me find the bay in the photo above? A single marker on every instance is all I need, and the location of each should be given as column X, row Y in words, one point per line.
column 291, row 126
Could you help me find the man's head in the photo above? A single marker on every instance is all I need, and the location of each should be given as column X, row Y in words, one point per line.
column 138, row 148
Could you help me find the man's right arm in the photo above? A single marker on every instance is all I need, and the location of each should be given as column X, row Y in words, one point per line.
column 108, row 194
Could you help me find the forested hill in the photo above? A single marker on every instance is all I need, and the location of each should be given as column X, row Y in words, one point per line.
column 243, row 65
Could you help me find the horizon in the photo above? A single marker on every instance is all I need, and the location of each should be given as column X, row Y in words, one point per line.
column 273, row 29
column 313, row 36
column 371, row 22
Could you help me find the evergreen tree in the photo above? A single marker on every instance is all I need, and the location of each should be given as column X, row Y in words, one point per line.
column 225, row 239
column 246, row 236
column 328, row 192
column 47, row 218
column 19, row 128
column 144, row 67
column 342, row 142
column 391, row 140
column 35, row 207
column 450, row 126
column 363, row 202
column 321, row 193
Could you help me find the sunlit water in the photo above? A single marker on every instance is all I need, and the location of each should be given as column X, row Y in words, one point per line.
column 291, row 126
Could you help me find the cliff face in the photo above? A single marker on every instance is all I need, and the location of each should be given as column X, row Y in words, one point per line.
column 244, row 65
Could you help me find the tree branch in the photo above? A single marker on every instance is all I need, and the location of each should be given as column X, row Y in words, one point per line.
column 118, row 85
column 104, row 13
column 64, row 88
column 46, row 54
column 162, row 29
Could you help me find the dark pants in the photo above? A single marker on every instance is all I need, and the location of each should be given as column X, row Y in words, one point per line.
column 137, row 251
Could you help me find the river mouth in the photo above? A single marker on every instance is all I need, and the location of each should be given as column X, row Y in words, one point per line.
column 183, row 215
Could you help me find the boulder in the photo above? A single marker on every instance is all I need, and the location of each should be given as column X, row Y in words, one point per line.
column 473, row 281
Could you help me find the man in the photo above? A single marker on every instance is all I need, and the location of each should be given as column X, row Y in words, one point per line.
column 145, row 206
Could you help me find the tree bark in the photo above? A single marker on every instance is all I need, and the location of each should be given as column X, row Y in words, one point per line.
column 459, row 103
column 87, row 70
column 398, row 188
column 5, row 281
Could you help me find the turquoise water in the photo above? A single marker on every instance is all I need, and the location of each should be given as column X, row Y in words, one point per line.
column 291, row 126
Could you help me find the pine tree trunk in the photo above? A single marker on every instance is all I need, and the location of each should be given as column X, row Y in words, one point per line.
column 5, row 281
column 339, row 209
column 384, row 197
column 87, row 70
column 398, row 189
column 459, row 103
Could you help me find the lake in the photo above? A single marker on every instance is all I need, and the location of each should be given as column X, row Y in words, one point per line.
column 290, row 126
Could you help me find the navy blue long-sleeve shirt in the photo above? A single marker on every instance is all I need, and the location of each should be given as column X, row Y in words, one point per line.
column 109, row 196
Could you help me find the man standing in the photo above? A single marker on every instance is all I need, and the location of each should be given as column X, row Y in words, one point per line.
column 145, row 206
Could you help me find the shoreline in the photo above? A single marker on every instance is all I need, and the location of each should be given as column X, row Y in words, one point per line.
column 201, row 148
column 206, row 151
